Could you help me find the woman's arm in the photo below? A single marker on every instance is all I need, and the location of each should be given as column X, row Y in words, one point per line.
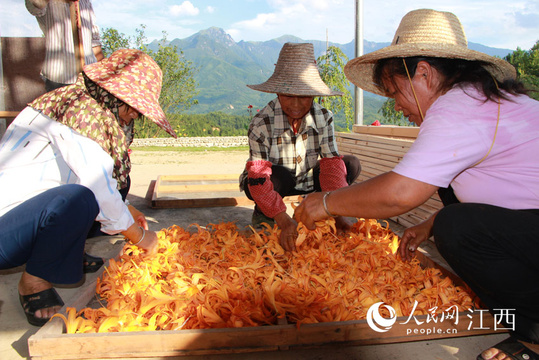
column 383, row 196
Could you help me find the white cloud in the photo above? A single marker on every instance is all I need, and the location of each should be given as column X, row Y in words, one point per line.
column 261, row 21
column 315, row 5
column 210, row 9
column 186, row 8
column 303, row 18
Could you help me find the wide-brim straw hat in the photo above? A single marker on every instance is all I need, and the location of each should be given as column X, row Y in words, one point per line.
column 135, row 78
column 296, row 74
column 428, row 33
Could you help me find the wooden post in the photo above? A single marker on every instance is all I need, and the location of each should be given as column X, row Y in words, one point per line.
column 74, row 11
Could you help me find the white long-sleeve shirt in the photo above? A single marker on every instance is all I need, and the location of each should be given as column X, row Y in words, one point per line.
column 38, row 153
column 60, row 64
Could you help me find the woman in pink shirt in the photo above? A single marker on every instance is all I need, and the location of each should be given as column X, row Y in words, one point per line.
column 477, row 146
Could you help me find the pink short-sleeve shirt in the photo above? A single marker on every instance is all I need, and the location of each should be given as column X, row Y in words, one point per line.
column 458, row 131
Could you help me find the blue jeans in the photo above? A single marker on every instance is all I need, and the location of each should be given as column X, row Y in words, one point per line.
column 496, row 252
column 48, row 233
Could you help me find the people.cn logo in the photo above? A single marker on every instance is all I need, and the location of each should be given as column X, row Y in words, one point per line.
column 376, row 321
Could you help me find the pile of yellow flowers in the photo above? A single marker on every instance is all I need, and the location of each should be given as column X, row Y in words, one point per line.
column 219, row 277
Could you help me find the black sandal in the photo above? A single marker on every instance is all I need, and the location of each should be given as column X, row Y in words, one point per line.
column 514, row 349
column 40, row 300
column 91, row 264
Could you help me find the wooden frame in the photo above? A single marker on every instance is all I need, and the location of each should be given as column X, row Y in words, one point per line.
column 188, row 191
column 193, row 191
column 50, row 343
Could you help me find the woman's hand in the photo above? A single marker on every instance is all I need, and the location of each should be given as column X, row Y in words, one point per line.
column 311, row 210
column 343, row 225
column 413, row 237
column 143, row 238
column 149, row 243
column 289, row 231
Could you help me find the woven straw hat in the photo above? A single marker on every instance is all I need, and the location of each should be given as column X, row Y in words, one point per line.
column 428, row 33
column 296, row 74
column 135, row 78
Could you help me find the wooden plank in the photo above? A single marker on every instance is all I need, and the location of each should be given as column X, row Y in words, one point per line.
column 394, row 155
column 378, row 143
column 363, row 148
column 9, row 114
column 382, row 165
column 387, row 130
column 157, row 186
column 173, row 203
column 76, row 31
column 170, row 189
column 218, row 177
column 376, row 139
column 150, row 191
column 373, row 156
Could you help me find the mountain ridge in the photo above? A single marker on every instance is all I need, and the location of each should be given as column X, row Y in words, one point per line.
column 225, row 67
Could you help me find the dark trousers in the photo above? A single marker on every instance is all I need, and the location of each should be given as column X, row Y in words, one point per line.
column 48, row 232
column 284, row 183
column 496, row 252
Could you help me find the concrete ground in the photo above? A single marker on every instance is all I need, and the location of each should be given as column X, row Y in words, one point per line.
column 15, row 331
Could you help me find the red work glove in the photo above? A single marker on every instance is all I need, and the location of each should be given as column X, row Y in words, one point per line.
column 261, row 188
column 332, row 173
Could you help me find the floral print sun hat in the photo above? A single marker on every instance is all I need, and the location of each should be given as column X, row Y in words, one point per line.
column 91, row 107
column 135, row 78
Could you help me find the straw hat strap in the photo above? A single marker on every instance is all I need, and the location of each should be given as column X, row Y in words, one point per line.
column 413, row 90
column 495, row 131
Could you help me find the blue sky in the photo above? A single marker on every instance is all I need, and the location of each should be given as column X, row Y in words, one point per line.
column 504, row 24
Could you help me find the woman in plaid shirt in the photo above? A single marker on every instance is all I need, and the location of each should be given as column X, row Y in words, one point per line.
column 292, row 149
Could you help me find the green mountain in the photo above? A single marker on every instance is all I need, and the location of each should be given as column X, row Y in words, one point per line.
column 225, row 67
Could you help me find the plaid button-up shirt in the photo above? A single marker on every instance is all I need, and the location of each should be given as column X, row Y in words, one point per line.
column 271, row 138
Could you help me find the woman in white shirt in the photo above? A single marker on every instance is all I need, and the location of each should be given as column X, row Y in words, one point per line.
column 63, row 162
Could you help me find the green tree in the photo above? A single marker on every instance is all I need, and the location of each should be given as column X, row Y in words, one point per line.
column 392, row 116
column 331, row 67
column 178, row 89
column 112, row 40
column 179, row 86
column 527, row 65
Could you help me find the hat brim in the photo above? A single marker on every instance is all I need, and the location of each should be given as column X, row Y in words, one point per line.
column 360, row 70
column 294, row 90
column 123, row 84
